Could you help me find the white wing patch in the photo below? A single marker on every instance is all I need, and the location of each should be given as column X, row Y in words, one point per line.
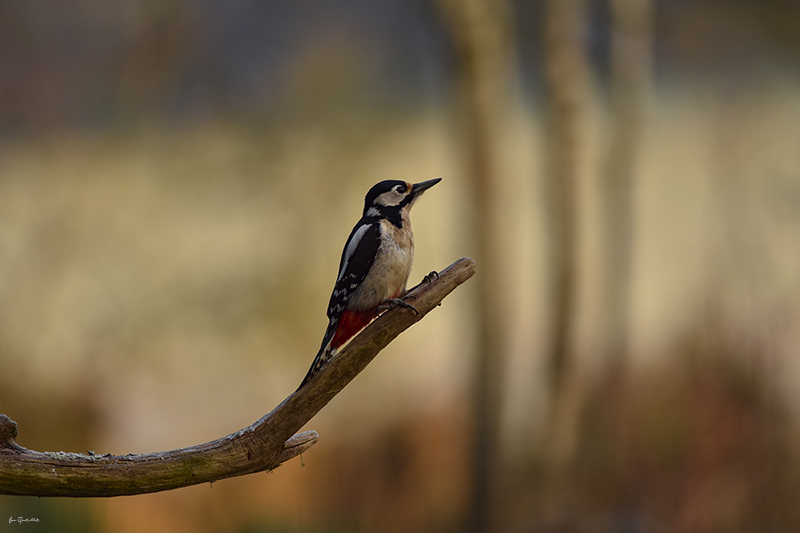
column 351, row 248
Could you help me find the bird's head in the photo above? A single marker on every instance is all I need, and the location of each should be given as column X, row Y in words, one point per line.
column 392, row 196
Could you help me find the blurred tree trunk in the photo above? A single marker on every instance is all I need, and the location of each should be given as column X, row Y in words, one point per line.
column 631, row 60
column 482, row 36
column 566, row 78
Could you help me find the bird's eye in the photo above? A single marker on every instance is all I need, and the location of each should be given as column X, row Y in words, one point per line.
column 400, row 189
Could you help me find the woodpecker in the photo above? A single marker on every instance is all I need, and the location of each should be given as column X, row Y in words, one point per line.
column 375, row 265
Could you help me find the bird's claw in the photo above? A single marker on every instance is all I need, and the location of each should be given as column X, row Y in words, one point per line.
column 432, row 275
column 391, row 303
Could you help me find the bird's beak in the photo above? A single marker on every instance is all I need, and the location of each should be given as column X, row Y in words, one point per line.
column 419, row 188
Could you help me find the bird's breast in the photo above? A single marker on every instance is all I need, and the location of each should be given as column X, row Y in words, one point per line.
column 388, row 276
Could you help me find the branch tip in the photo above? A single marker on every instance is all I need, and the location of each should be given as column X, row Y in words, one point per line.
column 305, row 438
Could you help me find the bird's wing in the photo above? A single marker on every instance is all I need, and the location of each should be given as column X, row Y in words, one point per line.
column 357, row 258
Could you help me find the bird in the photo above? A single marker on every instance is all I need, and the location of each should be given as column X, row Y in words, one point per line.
column 375, row 265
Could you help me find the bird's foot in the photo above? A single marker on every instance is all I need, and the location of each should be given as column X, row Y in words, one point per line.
column 391, row 303
column 433, row 275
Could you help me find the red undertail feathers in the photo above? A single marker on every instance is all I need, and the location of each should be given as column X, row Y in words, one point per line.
column 350, row 323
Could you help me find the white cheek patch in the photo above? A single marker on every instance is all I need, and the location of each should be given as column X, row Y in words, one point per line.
column 390, row 198
column 351, row 248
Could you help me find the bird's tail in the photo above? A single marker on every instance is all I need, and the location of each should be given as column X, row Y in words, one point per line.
column 340, row 330
column 325, row 351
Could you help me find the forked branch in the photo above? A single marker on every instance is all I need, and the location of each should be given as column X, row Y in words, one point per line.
column 262, row 446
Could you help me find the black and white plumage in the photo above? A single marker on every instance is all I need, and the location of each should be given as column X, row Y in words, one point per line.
column 375, row 264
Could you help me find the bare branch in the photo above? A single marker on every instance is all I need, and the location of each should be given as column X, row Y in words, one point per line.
column 262, row 446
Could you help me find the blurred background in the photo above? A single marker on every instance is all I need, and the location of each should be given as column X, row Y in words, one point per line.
column 178, row 178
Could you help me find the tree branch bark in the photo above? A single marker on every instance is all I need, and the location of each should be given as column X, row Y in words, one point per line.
column 262, row 446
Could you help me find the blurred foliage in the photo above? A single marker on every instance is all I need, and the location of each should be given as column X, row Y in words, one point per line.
column 701, row 445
